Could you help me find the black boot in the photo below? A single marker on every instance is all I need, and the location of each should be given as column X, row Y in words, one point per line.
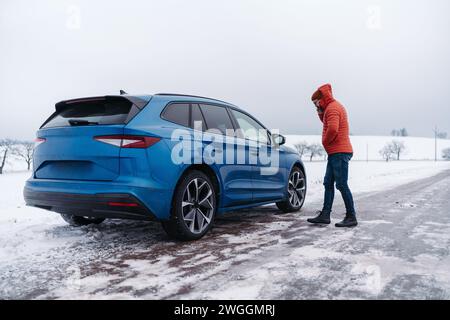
column 322, row 218
column 349, row 221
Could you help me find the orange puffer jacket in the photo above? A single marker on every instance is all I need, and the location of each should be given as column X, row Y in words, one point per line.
column 335, row 134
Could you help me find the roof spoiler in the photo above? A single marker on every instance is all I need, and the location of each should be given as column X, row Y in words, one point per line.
column 138, row 102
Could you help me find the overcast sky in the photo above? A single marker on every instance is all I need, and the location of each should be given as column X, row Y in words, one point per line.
column 388, row 61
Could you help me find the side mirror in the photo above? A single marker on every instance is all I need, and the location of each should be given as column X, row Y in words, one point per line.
column 278, row 139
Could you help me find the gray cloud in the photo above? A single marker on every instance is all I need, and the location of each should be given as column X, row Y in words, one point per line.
column 388, row 61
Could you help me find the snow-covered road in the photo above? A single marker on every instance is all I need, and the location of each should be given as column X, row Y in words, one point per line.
column 400, row 249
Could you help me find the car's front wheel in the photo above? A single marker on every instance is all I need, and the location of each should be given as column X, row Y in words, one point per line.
column 78, row 221
column 296, row 190
column 193, row 207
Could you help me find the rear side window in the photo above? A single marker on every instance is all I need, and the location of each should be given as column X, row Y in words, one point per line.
column 177, row 113
column 216, row 117
column 92, row 112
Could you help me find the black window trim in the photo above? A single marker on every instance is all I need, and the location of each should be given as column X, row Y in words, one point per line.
column 191, row 123
column 227, row 108
column 199, row 103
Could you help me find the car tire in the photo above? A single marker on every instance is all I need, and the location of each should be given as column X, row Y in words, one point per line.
column 193, row 207
column 296, row 190
column 78, row 221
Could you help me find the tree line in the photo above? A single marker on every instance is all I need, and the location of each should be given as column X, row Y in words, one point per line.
column 311, row 150
column 21, row 149
column 394, row 149
column 404, row 133
column 24, row 150
column 399, row 132
column 391, row 151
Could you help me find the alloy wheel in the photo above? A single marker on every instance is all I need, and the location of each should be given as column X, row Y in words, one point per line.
column 296, row 189
column 197, row 205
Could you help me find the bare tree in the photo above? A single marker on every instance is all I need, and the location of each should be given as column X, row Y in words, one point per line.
column 442, row 135
column 399, row 133
column 446, row 154
column 301, row 148
column 386, row 152
column 397, row 148
column 315, row 149
column 5, row 148
column 24, row 150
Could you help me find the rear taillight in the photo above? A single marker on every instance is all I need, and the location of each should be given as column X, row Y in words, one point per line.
column 38, row 141
column 126, row 141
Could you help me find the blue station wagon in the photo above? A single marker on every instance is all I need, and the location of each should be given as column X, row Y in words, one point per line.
column 118, row 157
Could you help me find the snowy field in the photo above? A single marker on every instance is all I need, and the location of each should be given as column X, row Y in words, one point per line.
column 368, row 147
column 37, row 247
column 37, row 237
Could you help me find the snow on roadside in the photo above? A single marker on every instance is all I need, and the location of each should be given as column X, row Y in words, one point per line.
column 373, row 176
column 29, row 235
column 24, row 230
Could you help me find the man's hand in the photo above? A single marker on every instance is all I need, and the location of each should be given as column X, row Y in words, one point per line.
column 318, row 107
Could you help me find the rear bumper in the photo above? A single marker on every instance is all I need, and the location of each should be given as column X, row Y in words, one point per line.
column 104, row 205
column 154, row 197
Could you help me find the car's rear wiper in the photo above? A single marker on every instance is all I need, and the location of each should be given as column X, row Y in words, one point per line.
column 75, row 122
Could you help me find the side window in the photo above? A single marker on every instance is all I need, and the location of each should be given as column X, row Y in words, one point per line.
column 251, row 129
column 216, row 117
column 178, row 113
column 197, row 116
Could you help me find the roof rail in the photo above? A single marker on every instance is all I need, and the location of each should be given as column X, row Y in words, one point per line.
column 190, row 95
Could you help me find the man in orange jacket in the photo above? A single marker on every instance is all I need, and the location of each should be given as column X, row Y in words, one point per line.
column 336, row 141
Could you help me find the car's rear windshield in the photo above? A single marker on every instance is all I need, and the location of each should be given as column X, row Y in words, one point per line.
column 92, row 112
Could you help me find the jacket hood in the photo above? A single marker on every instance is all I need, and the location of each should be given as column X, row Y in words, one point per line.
column 327, row 95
